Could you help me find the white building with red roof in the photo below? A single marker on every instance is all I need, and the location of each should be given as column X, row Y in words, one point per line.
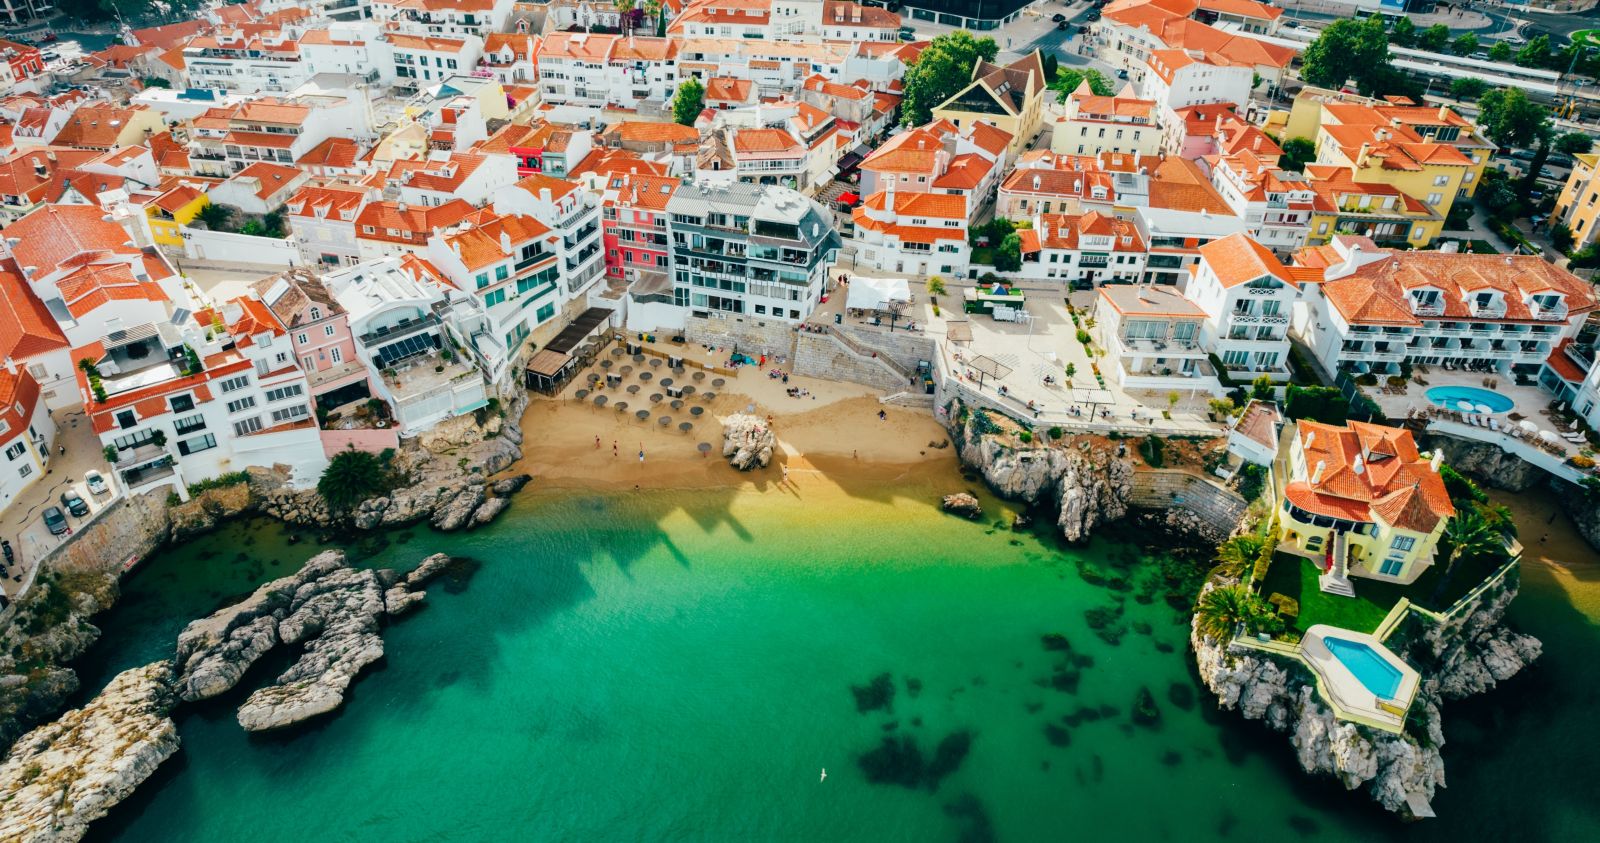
column 259, row 188
column 322, row 220
column 1360, row 501
column 31, row 338
column 1153, row 337
column 1248, row 296
column 455, row 18
column 26, row 432
column 1082, row 249
column 940, row 158
column 1275, row 203
column 573, row 216
column 1089, row 124
column 916, row 233
column 1495, row 313
column 247, row 59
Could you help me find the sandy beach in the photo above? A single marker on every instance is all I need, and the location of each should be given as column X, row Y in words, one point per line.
column 832, row 431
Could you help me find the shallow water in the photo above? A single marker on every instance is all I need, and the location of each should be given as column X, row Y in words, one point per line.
column 679, row 666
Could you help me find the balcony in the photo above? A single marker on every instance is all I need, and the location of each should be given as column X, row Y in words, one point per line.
column 1237, row 318
column 150, row 473
column 140, row 456
column 532, row 259
column 1548, row 314
column 405, row 328
column 1430, row 308
column 1582, row 355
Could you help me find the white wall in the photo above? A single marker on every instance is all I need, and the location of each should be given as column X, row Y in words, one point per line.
column 199, row 244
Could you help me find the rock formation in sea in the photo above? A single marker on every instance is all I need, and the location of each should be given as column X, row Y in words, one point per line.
column 331, row 610
column 962, row 504
column 747, row 441
column 49, row 627
column 1466, row 655
column 1085, row 479
column 1488, row 464
column 66, row 774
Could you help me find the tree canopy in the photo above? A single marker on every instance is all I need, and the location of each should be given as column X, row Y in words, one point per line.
column 1465, row 44
column 1347, row 49
column 1008, row 255
column 1403, row 33
column 942, row 69
column 1468, row 88
column 351, row 477
column 1297, row 153
column 1574, row 143
column 1501, row 51
column 1535, row 53
column 1068, row 79
column 1509, row 118
column 1434, row 39
column 689, row 101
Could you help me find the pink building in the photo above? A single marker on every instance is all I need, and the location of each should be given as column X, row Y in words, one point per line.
column 319, row 332
column 635, row 223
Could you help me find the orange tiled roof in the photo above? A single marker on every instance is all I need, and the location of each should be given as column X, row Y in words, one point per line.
column 1367, row 472
column 1239, row 259
column 26, row 326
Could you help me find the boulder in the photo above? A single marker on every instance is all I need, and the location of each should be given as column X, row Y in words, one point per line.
column 962, row 504
column 62, row 776
column 747, row 442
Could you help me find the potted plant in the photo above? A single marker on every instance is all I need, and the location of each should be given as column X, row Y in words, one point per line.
column 111, row 454
column 158, row 438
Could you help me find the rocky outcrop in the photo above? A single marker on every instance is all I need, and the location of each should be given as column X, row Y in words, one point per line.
column 62, row 776
column 48, row 628
column 962, row 504
column 446, row 471
column 203, row 512
column 747, row 442
column 1585, row 514
column 1087, row 480
column 1485, row 462
column 1467, row 654
column 331, row 610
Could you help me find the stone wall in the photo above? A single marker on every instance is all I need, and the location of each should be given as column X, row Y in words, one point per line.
column 1181, row 502
column 748, row 334
column 905, row 349
column 823, row 356
column 132, row 528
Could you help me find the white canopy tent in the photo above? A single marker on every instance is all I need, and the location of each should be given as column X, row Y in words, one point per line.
column 877, row 294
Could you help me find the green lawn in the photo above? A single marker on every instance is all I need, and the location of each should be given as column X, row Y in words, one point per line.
column 983, row 255
column 1295, row 576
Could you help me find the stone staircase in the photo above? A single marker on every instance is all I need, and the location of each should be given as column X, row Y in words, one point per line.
column 1337, row 579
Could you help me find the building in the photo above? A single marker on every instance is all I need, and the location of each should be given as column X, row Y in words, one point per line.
column 1405, row 120
column 323, row 222
column 260, row 188
column 1010, row 97
column 1380, row 212
column 172, row 210
column 1154, row 338
column 1253, row 436
column 1377, row 309
column 471, row 177
column 573, row 217
column 634, row 216
column 1091, row 124
column 918, row 233
column 1082, row 250
column 513, row 57
column 1248, row 296
column 104, row 127
column 319, row 331
column 393, row 228
column 1376, row 151
column 1579, row 203
column 1176, row 80
column 1276, row 204
column 756, row 250
column 1173, row 239
column 421, row 60
column 1362, row 502
column 26, row 432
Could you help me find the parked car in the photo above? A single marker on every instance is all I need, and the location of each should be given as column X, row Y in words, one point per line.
column 55, row 521
column 96, row 482
column 1064, row 26
column 75, row 503
column 1558, row 160
column 1094, row 14
column 1291, row 24
column 1058, row 17
column 1522, row 154
column 1122, row 74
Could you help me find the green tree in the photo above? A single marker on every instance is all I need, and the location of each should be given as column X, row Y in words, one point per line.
column 155, row 82
column 1347, row 49
column 1297, row 153
column 935, row 286
column 1535, row 53
column 941, row 70
column 1574, row 143
column 689, row 101
column 1501, row 52
column 216, row 217
column 1434, row 39
column 1509, row 118
column 1561, row 236
column 1468, row 88
column 1223, row 609
column 1052, row 67
column 1262, row 389
column 1008, row 256
column 1068, row 79
column 1403, row 33
column 1466, row 536
column 351, row 477
column 1465, row 45
column 1325, row 404
column 1240, row 552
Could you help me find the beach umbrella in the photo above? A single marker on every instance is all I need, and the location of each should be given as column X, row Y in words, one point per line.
column 707, row 396
column 617, row 352
column 1482, row 408
column 718, row 382
column 643, row 414
column 655, row 362
column 621, row 406
column 677, row 403
column 705, row 448
column 696, row 411
column 699, row 376
column 1528, row 426
column 581, row 394
column 599, row 400
column 688, row 390
column 665, row 381
column 1550, row 436
column 665, row 420
column 685, row 427
column 1464, row 406
column 605, row 364
column 633, row 389
column 594, row 376
column 626, row 370
column 638, row 358
column 677, row 370
column 644, row 376
column 656, row 398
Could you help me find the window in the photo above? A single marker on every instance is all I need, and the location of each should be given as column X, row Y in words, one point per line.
column 126, row 419
column 283, row 392
column 545, row 312
column 15, row 451
column 181, row 403
column 248, row 426
column 234, row 383
column 336, row 355
column 24, row 470
column 1403, row 543
column 1391, row 567
column 501, row 272
column 316, row 312
column 244, row 403
column 327, row 330
column 298, row 411
column 189, row 424
column 197, row 444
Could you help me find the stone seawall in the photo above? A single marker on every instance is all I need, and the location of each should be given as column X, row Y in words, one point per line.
column 748, row 334
column 824, row 356
column 1181, row 502
column 905, row 349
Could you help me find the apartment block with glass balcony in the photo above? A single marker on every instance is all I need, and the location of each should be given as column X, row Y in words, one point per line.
column 1376, row 309
column 1248, row 296
column 1154, row 337
column 754, row 250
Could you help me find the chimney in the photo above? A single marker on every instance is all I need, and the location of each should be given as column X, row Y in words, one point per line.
column 1316, row 474
column 1359, row 466
column 1037, row 182
column 11, row 365
column 544, row 195
column 505, row 242
column 400, row 207
column 1438, row 455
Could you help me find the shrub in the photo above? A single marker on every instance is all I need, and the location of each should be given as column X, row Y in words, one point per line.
column 1460, row 487
column 1581, row 461
column 1318, row 403
column 1153, row 449
column 1368, row 379
column 351, row 477
column 1055, row 432
column 232, row 478
column 1025, row 437
column 1251, row 478
column 110, row 452
column 1262, row 389
column 1083, row 336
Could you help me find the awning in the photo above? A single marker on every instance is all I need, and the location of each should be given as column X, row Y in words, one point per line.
column 958, row 330
column 849, row 198
column 548, row 363
column 574, row 334
column 850, row 160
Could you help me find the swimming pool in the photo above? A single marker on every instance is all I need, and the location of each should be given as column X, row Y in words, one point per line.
column 1452, row 396
column 1375, row 672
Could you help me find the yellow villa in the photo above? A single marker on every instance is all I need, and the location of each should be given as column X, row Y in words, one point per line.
column 1010, row 97
column 171, row 211
column 1403, row 121
column 1361, row 502
column 1579, row 204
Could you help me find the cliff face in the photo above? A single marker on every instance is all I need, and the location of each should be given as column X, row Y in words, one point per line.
column 1088, row 485
column 1585, row 516
column 1466, row 655
column 1486, row 463
column 50, row 628
column 64, row 775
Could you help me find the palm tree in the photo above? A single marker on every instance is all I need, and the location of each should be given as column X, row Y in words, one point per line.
column 1222, row 609
column 1240, row 552
column 216, row 217
column 1466, row 535
column 351, row 477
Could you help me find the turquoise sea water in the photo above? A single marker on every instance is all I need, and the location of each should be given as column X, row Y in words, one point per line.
column 679, row 666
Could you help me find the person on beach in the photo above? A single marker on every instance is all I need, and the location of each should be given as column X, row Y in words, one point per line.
column 785, row 474
column 641, row 455
column 597, row 443
column 613, row 447
column 882, row 416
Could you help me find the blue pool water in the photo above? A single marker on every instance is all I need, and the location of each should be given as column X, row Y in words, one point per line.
column 1452, row 396
column 1374, row 671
